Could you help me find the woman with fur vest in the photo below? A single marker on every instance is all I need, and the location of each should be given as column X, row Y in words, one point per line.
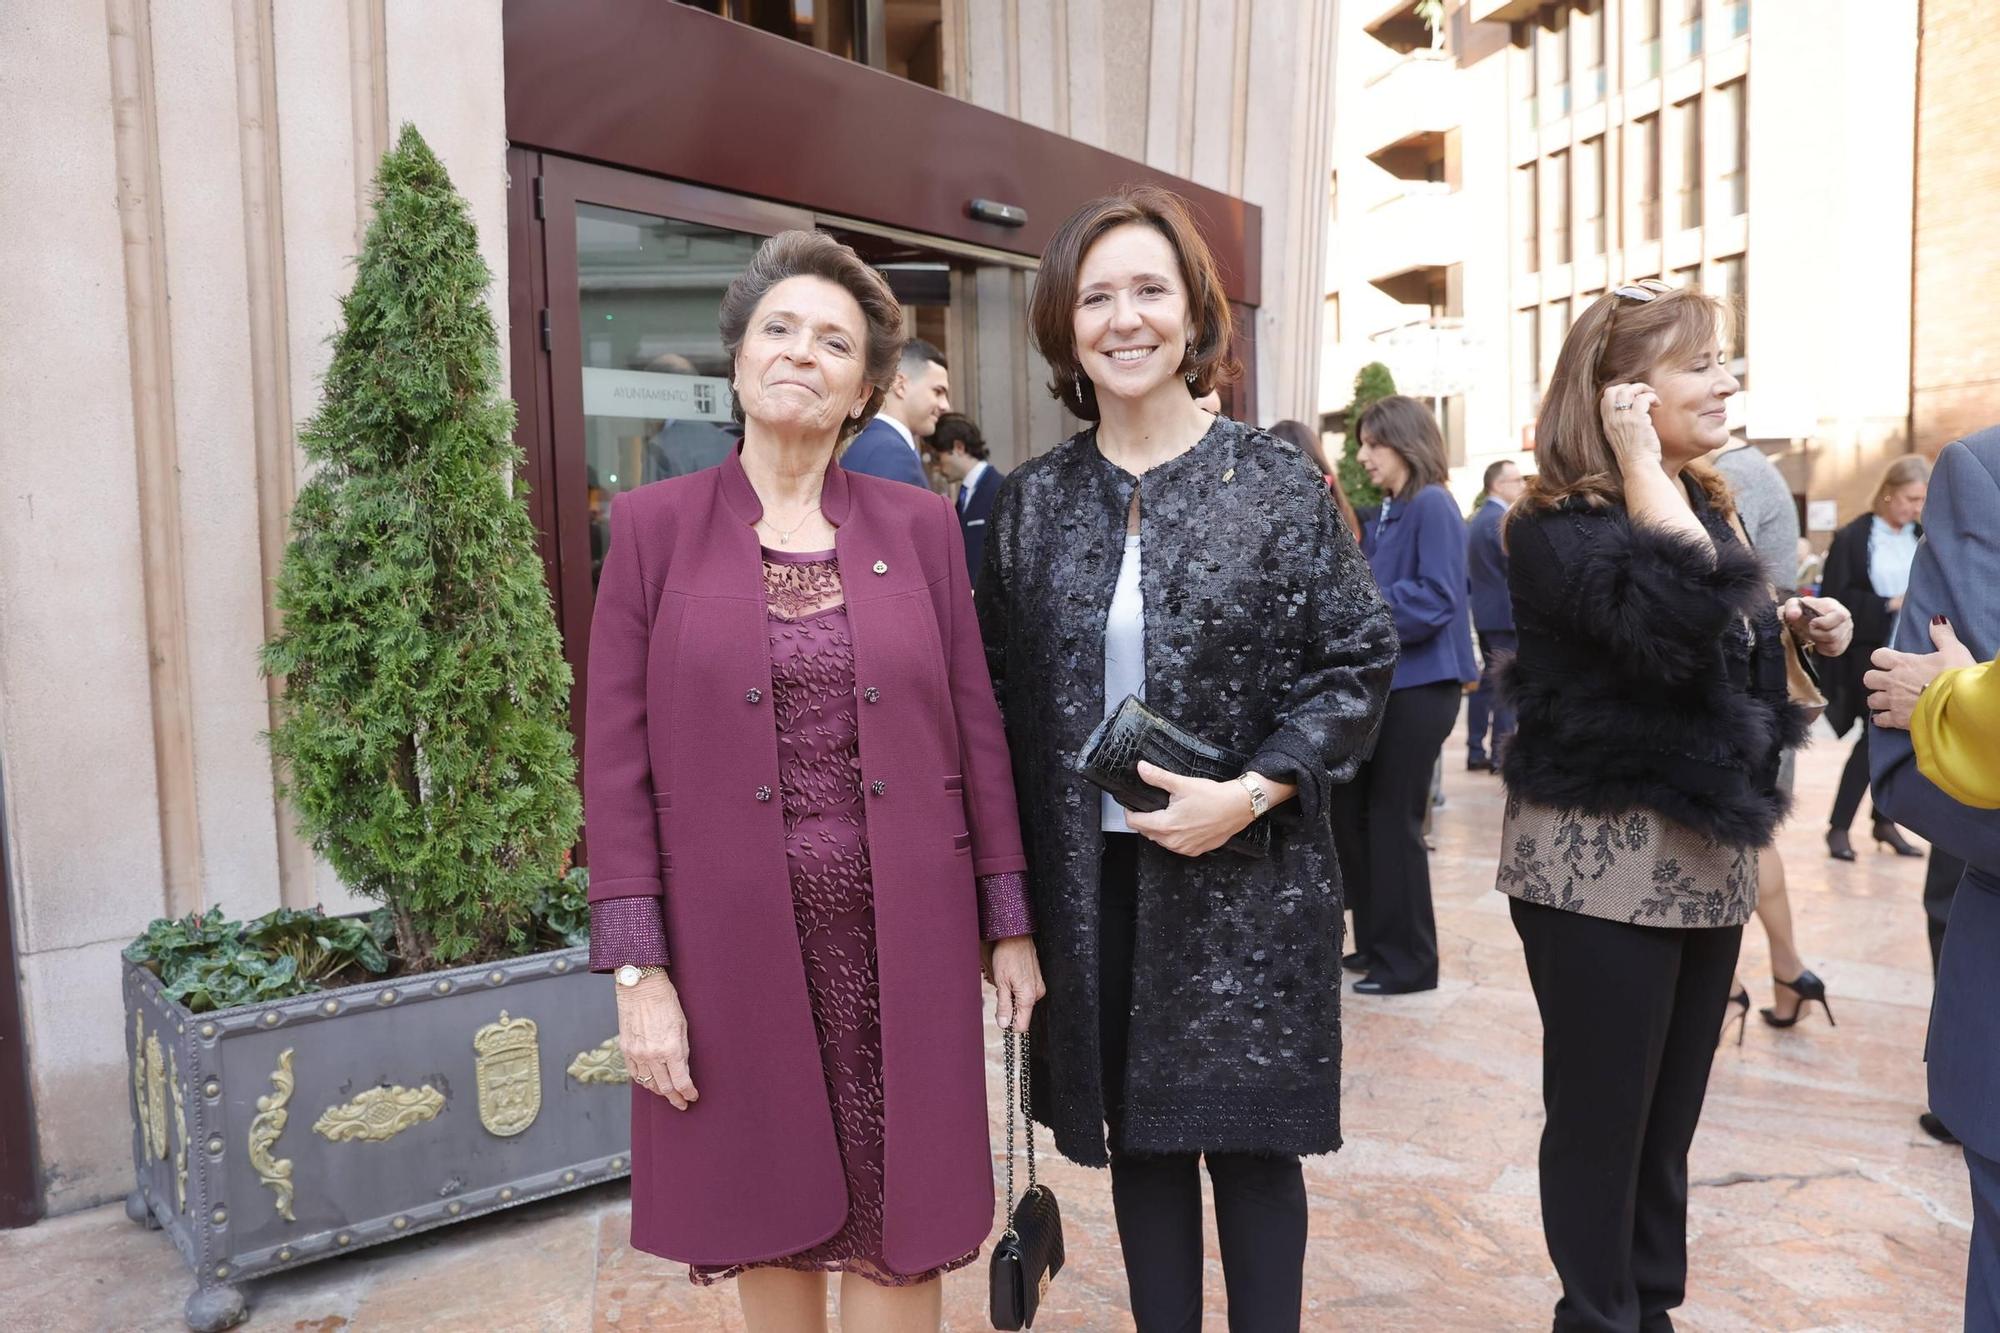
column 1642, row 779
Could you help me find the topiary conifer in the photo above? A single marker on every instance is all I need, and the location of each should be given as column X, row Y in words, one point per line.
column 423, row 728
column 1372, row 383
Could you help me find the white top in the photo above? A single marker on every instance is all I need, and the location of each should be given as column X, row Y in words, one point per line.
column 901, row 430
column 1124, row 657
column 1891, row 551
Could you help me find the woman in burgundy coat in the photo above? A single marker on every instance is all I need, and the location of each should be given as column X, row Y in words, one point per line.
column 802, row 826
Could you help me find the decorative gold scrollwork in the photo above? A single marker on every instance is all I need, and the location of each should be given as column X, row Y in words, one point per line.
column 139, row 1083
column 509, row 1068
column 264, row 1131
column 156, row 1098
column 603, row 1063
column 379, row 1114
column 180, row 1134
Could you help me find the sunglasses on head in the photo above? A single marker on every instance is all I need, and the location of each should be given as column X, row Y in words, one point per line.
column 1642, row 291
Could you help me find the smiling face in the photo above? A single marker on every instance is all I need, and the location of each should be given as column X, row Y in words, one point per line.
column 1384, row 466
column 1902, row 506
column 1694, row 388
column 801, row 368
column 1131, row 317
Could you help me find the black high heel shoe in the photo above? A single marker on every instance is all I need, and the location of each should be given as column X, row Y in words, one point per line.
column 1888, row 835
column 1838, row 846
column 1740, row 1002
column 1808, row 988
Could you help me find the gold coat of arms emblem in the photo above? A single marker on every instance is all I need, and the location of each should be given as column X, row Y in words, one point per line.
column 510, row 1074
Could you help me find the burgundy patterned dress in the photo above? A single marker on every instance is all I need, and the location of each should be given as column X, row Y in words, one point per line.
column 826, row 846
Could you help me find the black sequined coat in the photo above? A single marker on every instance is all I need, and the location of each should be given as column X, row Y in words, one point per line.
column 1264, row 632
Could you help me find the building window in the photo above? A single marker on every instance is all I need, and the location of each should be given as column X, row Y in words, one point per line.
column 1527, row 67
column 908, row 42
column 1738, row 14
column 1528, row 360
column 1527, row 217
column 1588, row 24
column 1590, row 189
column 1732, row 140
column 1645, row 172
column 1687, row 38
column 1735, row 295
column 1649, row 38
column 1687, row 278
column 1555, row 38
column 1689, row 115
column 1555, row 326
column 1559, row 184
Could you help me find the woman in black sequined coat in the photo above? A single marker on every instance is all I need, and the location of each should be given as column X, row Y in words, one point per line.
column 1193, row 998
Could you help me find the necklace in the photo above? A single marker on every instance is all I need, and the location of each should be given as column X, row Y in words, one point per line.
column 785, row 535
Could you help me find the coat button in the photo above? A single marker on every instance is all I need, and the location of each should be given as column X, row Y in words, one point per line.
column 763, row 793
column 878, row 786
column 872, row 695
column 753, row 696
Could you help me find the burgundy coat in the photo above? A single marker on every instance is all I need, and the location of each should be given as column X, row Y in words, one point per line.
column 680, row 740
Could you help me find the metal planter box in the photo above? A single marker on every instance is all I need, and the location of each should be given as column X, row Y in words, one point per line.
column 278, row 1134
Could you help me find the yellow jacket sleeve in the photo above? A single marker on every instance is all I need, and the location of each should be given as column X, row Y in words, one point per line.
column 1956, row 734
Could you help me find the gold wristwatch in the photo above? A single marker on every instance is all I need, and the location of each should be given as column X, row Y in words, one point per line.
column 1260, row 800
column 630, row 975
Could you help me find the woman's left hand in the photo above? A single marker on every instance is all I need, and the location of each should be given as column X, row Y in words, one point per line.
column 1016, row 975
column 1820, row 623
column 1200, row 816
column 1900, row 678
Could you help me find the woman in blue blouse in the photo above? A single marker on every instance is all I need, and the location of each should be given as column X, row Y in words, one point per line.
column 1417, row 550
column 1867, row 570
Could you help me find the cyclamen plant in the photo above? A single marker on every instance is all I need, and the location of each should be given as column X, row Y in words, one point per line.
column 423, row 724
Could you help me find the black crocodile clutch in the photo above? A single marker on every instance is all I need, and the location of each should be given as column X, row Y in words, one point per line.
column 1111, row 756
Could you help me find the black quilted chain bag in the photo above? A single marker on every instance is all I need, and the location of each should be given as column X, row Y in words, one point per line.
column 1030, row 1251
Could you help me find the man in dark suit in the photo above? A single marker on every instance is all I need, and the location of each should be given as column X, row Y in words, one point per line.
column 960, row 451
column 1492, row 614
column 1956, row 576
column 920, row 394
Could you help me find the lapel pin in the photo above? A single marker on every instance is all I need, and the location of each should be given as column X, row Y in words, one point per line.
column 881, row 567
column 1229, row 475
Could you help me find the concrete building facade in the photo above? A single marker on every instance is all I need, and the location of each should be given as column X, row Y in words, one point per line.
column 199, row 188
column 1510, row 167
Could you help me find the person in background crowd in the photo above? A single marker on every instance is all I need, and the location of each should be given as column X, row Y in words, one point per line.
column 921, row 393
column 1417, row 551
column 1190, row 560
column 1492, row 613
column 1308, row 442
column 1868, row 568
column 1651, row 697
column 685, row 444
column 1770, row 518
column 960, row 451
column 1922, row 780
column 798, row 1000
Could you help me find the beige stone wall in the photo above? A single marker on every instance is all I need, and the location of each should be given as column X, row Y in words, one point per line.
column 197, row 179
column 1229, row 94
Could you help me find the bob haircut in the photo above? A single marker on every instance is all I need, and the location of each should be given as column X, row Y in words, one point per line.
column 1616, row 340
column 1052, row 310
column 814, row 254
column 1407, row 428
column 1909, row 470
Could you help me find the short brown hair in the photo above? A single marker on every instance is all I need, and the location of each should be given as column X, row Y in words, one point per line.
column 955, row 430
column 1406, row 427
column 1909, row 470
column 1051, row 311
column 814, row 254
column 1616, row 340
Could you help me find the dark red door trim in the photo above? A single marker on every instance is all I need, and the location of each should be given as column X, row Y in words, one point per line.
column 666, row 89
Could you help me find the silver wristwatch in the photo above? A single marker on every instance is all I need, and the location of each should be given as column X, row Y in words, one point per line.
column 1259, row 800
column 630, row 975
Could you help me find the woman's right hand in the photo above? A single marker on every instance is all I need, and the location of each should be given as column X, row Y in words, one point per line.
column 653, row 1036
column 1627, row 410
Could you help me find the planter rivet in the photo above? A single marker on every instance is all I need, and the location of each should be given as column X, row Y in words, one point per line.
column 506, row 1194
column 215, row 1144
column 496, row 977
column 211, row 1088
column 342, row 1239
column 271, row 1019
column 562, row 964
column 569, row 1177
column 443, row 988
column 618, row 1164
column 219, row 1216
column 208, row 1029
column 331, row 1007
column 386, row 997
column 400, row 1223
column 284, row 1254
column 454, row 1208
column 222, row 1270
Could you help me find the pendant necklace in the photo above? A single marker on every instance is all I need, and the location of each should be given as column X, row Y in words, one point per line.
column 785, row 535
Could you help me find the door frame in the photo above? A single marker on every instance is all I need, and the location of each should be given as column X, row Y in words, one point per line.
column 20, row 1184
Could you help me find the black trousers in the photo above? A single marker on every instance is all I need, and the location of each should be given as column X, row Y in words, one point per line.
column 1853, row 780
column 1629, row 1022
column 1378, row 834
column 1260, row 1202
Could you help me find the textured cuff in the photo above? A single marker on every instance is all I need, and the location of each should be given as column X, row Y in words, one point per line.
column 627, row 930
column 1004, row 909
